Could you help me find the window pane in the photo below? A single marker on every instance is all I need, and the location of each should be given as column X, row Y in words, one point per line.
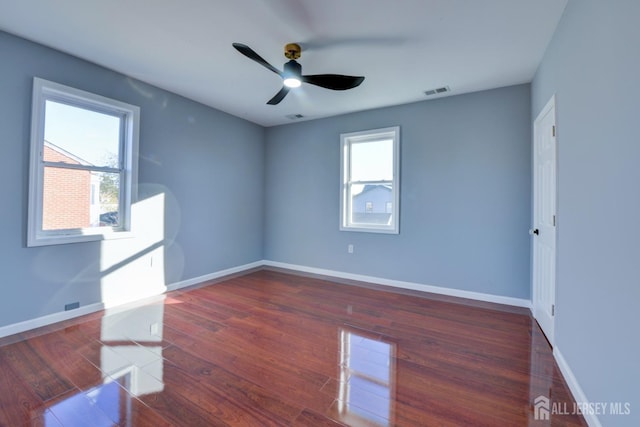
column 109, row 198
column 75, row 198
column 79, row 136
column 372, row 161
column 370, row 203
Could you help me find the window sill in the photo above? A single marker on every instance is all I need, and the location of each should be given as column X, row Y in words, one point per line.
column 62, row 239
column 365, row 229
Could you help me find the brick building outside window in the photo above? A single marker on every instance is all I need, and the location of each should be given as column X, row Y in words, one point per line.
column 70, row 199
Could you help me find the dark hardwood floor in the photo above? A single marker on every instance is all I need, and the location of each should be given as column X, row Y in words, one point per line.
column 271, row 348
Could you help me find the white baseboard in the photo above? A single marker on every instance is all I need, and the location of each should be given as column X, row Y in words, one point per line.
column 92, row 308
column 574, row 386
column 518, row 302
column 49, row 319
column 213, row 276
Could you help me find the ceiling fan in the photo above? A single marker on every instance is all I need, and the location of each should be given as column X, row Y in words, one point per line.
column 292, row 74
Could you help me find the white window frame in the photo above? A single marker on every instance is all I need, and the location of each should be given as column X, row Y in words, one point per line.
column 346, row 141
column 43, row 91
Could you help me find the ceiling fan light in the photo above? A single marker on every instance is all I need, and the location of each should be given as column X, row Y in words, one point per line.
column 292, row 82
column 291, row 74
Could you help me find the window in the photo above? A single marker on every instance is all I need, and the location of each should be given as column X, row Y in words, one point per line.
column 83, row 166
column 370, row 181
column 368, row 207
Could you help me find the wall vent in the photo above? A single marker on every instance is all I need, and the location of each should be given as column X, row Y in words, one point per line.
column 71, row 306
column 437, row 91
column 294, row 116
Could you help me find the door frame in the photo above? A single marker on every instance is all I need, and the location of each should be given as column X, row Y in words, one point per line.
column 535, row 304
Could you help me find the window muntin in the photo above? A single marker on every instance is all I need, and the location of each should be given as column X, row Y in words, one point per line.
column 370, row 181
column 83, row 167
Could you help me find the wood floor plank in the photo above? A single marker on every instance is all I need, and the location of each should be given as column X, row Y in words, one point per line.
column 207, row 402
column 178, row 401
column 34, row 370
column 294, row 384
column 18, row 402
column 272, row 348
column 59, row 351
column 249, row 396
column 311, row 419
column 75, row 408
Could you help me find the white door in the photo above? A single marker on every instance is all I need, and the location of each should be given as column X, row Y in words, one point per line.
column 544, row 218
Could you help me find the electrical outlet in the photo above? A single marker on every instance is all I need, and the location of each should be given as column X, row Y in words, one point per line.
column 154, row 329
column 350, row 248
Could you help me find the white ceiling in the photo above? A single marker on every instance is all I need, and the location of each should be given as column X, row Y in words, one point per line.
column 402, row 47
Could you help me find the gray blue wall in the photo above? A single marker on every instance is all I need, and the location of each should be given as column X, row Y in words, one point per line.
column 465, row 194
column 208, row 165
column 593, row 67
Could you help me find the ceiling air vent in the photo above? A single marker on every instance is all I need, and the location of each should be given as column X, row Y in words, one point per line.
column 437, row 91
column 294, row 116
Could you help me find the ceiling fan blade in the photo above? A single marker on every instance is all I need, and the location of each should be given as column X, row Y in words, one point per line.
column 333, row 81
column 279, row 96
column 251, row 54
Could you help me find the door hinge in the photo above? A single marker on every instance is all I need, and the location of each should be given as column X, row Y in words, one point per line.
column 553, row 130
column 553, row 309
column 554, row 220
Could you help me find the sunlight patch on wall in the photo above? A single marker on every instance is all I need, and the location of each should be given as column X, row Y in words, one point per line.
column 133, row 268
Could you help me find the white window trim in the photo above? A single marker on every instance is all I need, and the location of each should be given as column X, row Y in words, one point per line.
column 44, row 90
column 346, row 139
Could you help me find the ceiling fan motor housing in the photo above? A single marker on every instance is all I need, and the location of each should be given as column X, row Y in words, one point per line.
column 292, row 69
